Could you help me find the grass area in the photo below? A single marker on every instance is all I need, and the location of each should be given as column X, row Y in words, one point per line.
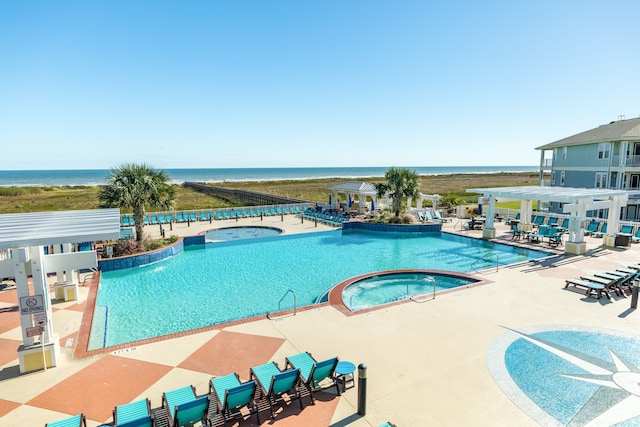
column 57, row 198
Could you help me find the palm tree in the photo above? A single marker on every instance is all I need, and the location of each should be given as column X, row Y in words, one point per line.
column 137, row 186
column 400, row 183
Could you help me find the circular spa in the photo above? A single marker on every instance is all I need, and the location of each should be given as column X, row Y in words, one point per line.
column 383, row 288
column 240, row 233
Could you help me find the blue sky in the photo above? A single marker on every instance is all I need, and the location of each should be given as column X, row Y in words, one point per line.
column 259, row 83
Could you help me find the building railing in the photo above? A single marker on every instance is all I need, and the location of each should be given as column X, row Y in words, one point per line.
column 631, row 161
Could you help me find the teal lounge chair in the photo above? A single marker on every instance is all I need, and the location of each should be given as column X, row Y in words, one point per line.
column 75, row 421
column 313, row 373
column 565, row 224
column 517, row 234
column 225, row 214
column 232, row 395
column 602, row 232
column 627, row 230
column 555, row 237
column 184, row 407
column 134, row 414
column 252, row 212
column 636, row 237
column 591, row 228
column 538, row 220
column 245, row 214
column 552, row 221
column 274, row 383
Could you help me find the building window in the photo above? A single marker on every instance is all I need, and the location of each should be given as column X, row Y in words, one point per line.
column 601, row 180
column 561, row 177
column 603, row 150
column 564, row 153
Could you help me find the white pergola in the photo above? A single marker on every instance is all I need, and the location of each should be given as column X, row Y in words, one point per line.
column 576, row 202
column 23, row 237
column 354, row 191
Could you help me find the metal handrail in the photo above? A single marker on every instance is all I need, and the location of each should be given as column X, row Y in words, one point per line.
column 283, row 297
column 483, row 257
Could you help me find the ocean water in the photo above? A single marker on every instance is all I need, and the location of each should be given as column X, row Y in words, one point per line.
column 21, row 178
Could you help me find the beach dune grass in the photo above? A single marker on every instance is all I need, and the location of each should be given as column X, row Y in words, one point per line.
column 57, row 198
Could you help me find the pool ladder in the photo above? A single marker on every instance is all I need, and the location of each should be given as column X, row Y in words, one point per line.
column 290, row 291
column 492, row 253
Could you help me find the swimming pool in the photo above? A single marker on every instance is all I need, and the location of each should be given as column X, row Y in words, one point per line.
column 239, row 233
column 232, row 280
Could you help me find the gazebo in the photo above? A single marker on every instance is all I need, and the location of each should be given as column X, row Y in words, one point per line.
column 354, row 191
column 24, row 238
column 576, row 202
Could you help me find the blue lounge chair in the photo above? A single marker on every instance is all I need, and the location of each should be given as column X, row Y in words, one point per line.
column 232, row 395
column 154, row 219
column 124, row 221
column 252, row 212
column 193, row 217
column 272, row 211
column 219, row 215
column 313, row 372
column 180, row 217
column 565, row 224
column 204, row 216
column 636, row 237
column 225, row 215
column 75, row 421
column 512, row 220
column 162, row 219
column 275, row 383
column 591, row 228
column 602, row 232
column 589, row 286
column 555, row 237
column 184, row 407
column 552, row 221
column 245, row 214
column 134, row 414
column 626, row 230
column 538, row 220
column 517, row 234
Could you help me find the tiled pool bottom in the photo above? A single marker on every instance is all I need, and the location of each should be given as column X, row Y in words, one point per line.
column 566, row 375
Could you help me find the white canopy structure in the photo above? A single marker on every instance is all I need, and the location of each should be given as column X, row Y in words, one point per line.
column 22, row 239
column 354, row 191
column 576, row 203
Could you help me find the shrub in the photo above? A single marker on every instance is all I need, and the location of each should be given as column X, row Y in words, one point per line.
column 173, row 238
column 150, row 245
column 125, row 247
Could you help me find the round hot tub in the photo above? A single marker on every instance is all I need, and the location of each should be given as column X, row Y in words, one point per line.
column 239, row 233
column 386, row 287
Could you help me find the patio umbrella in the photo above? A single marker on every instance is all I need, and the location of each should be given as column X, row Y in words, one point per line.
column 329, row 199
column 350, row 201
column 373, row 205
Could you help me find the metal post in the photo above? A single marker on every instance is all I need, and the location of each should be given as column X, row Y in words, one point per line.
column 362, row 389
column 634, row 295
column 282, row 217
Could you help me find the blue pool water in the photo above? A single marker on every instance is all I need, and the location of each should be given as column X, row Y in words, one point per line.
column 387, row 288
column 226, row 281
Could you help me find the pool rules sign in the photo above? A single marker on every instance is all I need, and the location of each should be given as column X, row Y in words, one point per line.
column 34, row 304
